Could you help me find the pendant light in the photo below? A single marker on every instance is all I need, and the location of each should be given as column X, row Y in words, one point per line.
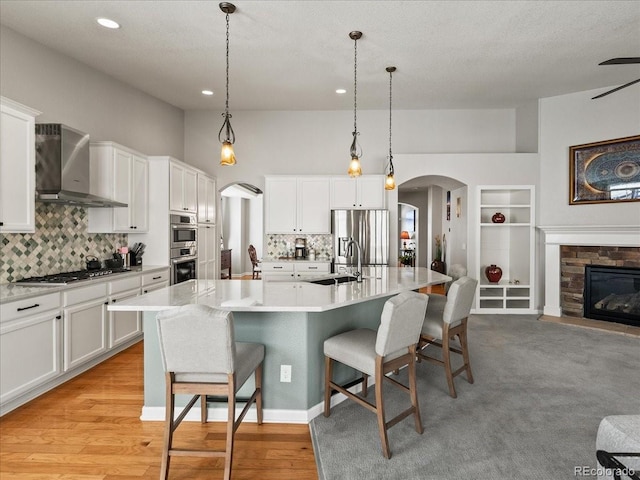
column 354, row 167
column 227, row 157
column 390, row 182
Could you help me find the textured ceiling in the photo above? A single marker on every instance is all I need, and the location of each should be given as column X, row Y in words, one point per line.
column 292, row 55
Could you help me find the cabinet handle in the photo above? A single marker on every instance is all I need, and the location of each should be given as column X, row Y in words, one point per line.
column 313, row 268
column 113, row 301
column 27, row 308
column 145, row 291
column 277, row 268
column 106, row 303
column 157, row 278
column 131, row 226
column 1, row 224
column 185, row 208
column 58, row 317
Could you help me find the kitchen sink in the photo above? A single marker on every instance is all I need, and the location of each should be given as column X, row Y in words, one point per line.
column 333, row 280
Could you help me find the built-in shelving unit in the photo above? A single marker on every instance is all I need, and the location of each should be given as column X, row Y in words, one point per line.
column 509, row 245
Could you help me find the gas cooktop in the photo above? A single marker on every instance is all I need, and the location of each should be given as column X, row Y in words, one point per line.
column 69, row 277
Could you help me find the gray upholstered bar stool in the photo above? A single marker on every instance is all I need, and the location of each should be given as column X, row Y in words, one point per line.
column 377, row 353
column 447, row 318
column 200, row 358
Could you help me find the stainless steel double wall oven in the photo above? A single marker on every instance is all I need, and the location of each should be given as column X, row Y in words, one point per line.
column 184, row 247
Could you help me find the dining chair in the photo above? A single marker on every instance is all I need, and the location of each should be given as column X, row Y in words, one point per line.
column 375, row 354
column 255, row 263
column 446, row 319
column 200, row 357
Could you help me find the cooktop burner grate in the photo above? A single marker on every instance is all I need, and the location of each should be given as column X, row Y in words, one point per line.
column 69, row 277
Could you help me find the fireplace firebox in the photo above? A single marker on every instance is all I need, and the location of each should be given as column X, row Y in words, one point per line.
column 612, row 294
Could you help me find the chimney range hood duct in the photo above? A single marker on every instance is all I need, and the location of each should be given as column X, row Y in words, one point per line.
column 62, row 167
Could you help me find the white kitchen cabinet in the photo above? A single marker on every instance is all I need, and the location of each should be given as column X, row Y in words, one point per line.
column 85, row 324
column 363, row 192
column 123, row 326
column 207, row 252
column 311, row 269
column 206, row 199
column 183, row 188
column 278, row 272
column 121, row 174
column 30, row 343
column 290, row 271
column 17, row 167
column 155, row 281
column 297, row 205
column 509, row 245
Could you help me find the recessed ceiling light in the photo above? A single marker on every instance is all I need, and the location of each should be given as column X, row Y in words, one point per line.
column 207, row 92
column 340, row 91
column 108, row 23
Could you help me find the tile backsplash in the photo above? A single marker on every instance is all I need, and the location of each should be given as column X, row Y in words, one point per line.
column 276, row 245
column 60, row 243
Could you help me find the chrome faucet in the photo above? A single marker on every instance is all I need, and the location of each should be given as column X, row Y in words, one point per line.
column 357, row 274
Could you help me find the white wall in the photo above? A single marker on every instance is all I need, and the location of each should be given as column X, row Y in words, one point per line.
column 574, row 120
column 270, row 143
column 69, row 92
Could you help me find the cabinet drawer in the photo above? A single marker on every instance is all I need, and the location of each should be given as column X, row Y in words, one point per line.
column 155, row 277
column 80, row 295
column 124, row 284
column 28, row 307
column 320, row 267
column 277, row 267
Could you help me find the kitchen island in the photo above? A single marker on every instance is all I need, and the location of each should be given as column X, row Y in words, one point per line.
column 292, row 320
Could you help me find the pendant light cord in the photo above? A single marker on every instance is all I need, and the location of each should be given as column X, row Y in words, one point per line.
column 226, row 108
column 355, row 85
column 390, row 155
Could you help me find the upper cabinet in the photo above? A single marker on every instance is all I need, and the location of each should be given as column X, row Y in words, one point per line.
column 297, row 205
column 17, row 167
column 206, row 199
column 183, row 188
column 120, row 174
column 364, row 192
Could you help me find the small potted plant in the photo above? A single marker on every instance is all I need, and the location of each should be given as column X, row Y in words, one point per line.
column 406, row 259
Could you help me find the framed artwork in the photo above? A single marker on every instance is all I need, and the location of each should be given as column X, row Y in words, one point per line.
column 604, row 172
column 458, row 207
column 448, row 205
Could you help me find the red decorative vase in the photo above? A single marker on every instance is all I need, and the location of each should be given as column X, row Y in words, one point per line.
column 497, row 218
column 493, row 273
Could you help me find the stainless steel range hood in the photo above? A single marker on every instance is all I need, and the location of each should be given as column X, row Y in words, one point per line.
column 62, row 167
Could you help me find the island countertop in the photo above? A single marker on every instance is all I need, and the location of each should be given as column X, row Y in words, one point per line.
column 301, row 296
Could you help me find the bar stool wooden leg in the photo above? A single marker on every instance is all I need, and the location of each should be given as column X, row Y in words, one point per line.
column 168, row 427
column 382, row 426
column 446, row 358
column 413, row 389
column 231, row 429
column 465, row 350
column 328, row 372
column 258, row 380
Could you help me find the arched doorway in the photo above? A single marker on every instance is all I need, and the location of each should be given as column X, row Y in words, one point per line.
column 241, row 224
column 441, row 204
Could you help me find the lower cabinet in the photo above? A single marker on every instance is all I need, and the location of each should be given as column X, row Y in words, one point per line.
column 123, row 326
column 29, row 353
column 293, row 271
column 85, row 324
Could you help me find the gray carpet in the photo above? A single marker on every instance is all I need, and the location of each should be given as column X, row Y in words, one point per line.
column 540, row 392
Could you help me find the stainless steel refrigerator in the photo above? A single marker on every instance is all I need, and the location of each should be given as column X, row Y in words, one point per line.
column 370, row 228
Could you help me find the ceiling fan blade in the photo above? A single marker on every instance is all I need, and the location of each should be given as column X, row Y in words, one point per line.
column 615, row 89
column 621, row 61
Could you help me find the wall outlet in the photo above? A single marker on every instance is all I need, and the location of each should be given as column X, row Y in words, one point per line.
column 285, row 373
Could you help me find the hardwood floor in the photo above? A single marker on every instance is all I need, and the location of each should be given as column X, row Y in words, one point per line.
column 89, row 429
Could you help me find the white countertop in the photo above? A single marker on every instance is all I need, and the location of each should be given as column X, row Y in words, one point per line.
column 10, row 292
column 262, row 296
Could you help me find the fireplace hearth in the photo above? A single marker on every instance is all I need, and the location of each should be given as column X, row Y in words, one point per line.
column 612, row 294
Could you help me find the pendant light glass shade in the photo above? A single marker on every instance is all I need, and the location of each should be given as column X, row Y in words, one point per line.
column 390, row 182
column 355, row 170
column 227, row 156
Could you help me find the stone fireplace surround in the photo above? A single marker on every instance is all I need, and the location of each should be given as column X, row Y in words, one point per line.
column 555, row 237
